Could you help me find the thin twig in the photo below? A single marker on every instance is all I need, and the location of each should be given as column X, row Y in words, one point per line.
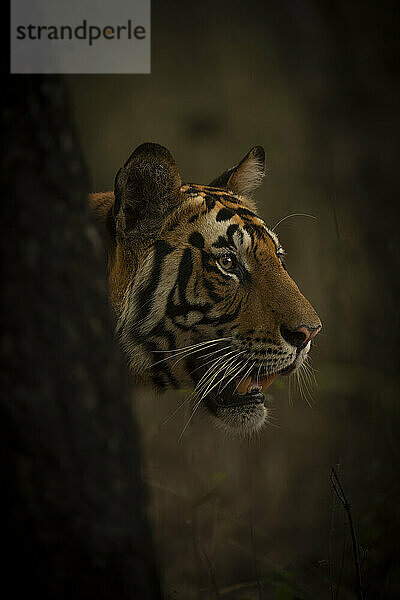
column 339, row 582
column 339, row 491
column 330, row 550
column 211, row 573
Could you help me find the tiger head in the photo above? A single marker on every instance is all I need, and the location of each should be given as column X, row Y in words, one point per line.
column 199, row 285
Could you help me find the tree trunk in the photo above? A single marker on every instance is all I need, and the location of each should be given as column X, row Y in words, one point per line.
column 73, row 520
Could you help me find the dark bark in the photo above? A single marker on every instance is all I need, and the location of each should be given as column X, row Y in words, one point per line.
column 73, row 520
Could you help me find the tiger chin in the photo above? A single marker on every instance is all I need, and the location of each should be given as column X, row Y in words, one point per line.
column 199, row 286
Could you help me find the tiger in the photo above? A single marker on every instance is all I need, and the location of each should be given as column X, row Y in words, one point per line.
column 199, row 286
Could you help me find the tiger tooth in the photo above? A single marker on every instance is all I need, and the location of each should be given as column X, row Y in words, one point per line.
column 266, row 381
column 252, row 383
column 255, row 385
column 243, row 386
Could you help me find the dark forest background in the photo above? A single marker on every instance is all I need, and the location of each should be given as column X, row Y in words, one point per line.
column 317, row 85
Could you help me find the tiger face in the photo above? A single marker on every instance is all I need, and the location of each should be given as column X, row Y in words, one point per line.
column 199, row 286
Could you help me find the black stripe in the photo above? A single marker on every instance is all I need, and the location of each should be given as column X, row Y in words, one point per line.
column 184, row 272
column 160, row 373
column 222, row 242
column 211, row 291
column 223, row 318
column 161, row 250
column 160, row 331
column 196, row 240
column 230, row 232
column 183, row 307
column 249, row 229
column 210, row 201
column 245, row 212
column 225, row 214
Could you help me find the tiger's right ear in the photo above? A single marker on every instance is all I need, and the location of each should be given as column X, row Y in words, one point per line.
column 245, row 177
column 146, row 191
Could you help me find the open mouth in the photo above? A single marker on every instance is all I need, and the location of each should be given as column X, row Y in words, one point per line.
column 243, row 392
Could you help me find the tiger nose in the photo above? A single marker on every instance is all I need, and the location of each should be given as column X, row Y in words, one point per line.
column 299, row 337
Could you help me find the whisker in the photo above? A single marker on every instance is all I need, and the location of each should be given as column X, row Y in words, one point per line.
column 209, row 389
column 304, row 389
column 211, row 373
column 237, row 369
column 290, row 390
column 290, row 216
column 186, row 355
column 206, row 390
column 187, row 399
column 259, row 370
column 299, row 384
column 175, row 411
column 247, row 372
column 234, row 368
column 308, row 384
column 189, row 419
column 207, row 362
column 208, row 373
column 311, row 373
column 193, row 345
column 184, row 352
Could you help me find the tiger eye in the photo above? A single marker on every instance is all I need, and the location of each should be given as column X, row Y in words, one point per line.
column 226, row 262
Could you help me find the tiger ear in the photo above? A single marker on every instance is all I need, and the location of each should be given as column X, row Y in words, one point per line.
column 146, row 191
column 246, row 176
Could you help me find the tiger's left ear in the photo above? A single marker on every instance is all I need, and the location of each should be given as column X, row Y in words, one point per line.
column 146, row 191
column 246, row 176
